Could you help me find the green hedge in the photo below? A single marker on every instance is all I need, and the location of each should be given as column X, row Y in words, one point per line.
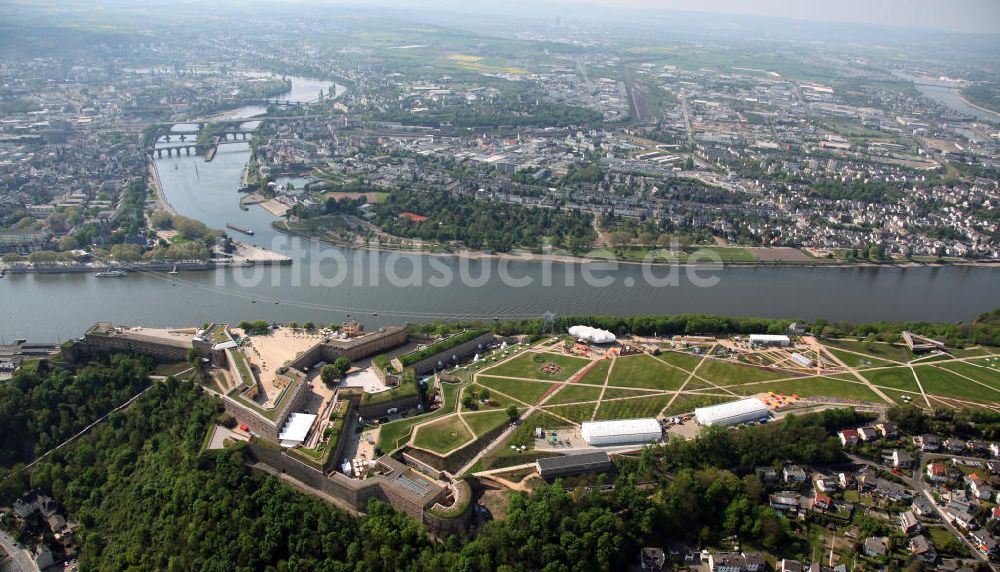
column 443, row 345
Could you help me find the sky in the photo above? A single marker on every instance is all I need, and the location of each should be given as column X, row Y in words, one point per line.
column 970, row 16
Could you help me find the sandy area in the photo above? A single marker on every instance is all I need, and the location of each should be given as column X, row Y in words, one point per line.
column 270, row 352
column 277, row 208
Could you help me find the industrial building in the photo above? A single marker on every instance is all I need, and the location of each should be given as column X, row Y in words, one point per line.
column 732, row 413
column 566, row 465
column 621, row 432
column 770, row 340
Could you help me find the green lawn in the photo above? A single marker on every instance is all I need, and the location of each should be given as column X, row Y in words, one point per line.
column 984, row 371
column 443, row 435
column 814, row 386
column 857, row 361
column 728, row 373
column 483, row 423
column 597, row 374
column 897, row 396
column 684, row 361
column 575, row 393
column 578, row 413
column 874, row 349
column 937, row 381
column 896, row 377
column 529, row 366
column 644, row 371
column 615, row 393
column 524, row 436
column 525, row 391
column 632, row 408
column 502, row 402
column 393, row 435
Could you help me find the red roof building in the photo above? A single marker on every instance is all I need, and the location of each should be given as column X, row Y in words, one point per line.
column 413, row 217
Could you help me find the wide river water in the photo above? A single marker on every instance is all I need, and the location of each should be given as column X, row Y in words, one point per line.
column 326, row 283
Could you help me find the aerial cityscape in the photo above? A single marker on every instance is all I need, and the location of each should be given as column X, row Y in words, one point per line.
column 569, row 285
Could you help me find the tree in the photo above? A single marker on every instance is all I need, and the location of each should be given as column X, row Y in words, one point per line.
column 484, row 395
column 68, row 242
column 333, row 372
column 512, row 413
column 309, row 326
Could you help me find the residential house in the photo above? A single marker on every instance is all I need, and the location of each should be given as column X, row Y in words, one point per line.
column 846, row 480
column 848, row 437
column 827, row 484
column 822, row 501
column 922, row 507
column 908, row 523
column 876, row 546
column 923, row 549
column 793, row 474
column 978, row 447
column 984, row 542
column 788, row 565
column 867, row 433
column 892, row 491
column 652, row 558
column 960, row 518
column 754, row 562
column 43, row 556
column 888, row 429
column 954, row 445
column 980, row 489
column 784, row 501
column 766, row 474
column 927, row 442
column 726, row 562
column 902, row 459
column 995, row 449
column 27, row 504
column 937, row 472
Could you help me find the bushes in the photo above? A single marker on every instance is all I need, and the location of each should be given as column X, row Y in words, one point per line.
column 443, row 345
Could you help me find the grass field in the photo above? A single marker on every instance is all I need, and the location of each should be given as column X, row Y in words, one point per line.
column 393, row 435
column 979, row 370
column 443, row 435
column 525, row 391
column 727, row 373
column 482, row 423
column 501, row 401
column 575, row 393
column 616, row 393
column 632, row 408
column 874, row 349
column 597, row 374
column 577, row 413
column 857, row 361
column 896, row 377
column 942, row 382
column 529, row 366
column 814, row 386
column 684, row 361
column 644, row 371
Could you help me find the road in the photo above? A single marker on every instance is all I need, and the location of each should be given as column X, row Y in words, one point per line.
column 19, row 556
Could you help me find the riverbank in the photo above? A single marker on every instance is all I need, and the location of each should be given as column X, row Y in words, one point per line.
column 994, row 113
column 566, row 258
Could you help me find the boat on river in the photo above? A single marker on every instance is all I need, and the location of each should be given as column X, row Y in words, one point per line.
column 244, row 230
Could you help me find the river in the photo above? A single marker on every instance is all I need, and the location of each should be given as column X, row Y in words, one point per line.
column 326, row 283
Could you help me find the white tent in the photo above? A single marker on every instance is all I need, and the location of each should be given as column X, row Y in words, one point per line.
column 296, row 429
column 592, row 334
column 620, row 432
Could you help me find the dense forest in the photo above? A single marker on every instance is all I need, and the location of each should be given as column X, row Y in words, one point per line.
column 147, row 500
column 482, row 224
column 39, row 408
